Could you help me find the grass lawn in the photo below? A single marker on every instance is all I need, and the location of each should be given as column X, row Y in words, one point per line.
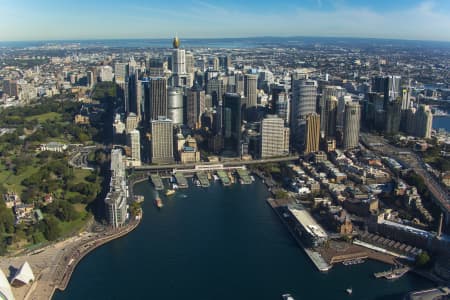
column 75, row 226
column 44, row 117
column 80, row 174
column 14, row 182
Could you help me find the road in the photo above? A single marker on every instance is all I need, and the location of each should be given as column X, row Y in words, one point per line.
column 411, row 161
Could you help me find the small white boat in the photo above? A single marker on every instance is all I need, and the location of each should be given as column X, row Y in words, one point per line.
column 349, row 291
column 216, row 177
column 287, row 297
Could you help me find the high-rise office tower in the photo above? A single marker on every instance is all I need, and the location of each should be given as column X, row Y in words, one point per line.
column 393, row 116
column 106, row 74
column 282, row 107
column 175, row 105
column 250, row 87
column 328, row 92
column 331, row 106
column 351, row 125
column 120, row 73
column 214, row 63
column 161, row 141
column 406, row 98
column 91, row 79
column 232, row 123
column 178, row 58
column 276, row 90
column 156, row 67
column 224, row 62
column 195, row 106
column 239, row 83
column 312, row 133
column 304, row 97
column 134, row 142
column 131, row 123
column 273, row 137
column 158, row 97
column 342, row 100
column 215, row 88
column 388, row 85
column 423, row 122
column 190, row 63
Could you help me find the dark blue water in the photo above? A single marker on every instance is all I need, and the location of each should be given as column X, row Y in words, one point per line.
column 221, row 244
column 441, row 122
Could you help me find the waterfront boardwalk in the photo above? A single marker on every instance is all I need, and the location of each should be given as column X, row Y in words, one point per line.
column 157, row 182
column 244, row 176
column 203, row 178
column 181, row 181
column 223, row 177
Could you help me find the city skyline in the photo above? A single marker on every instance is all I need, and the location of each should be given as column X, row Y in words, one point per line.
column 51, row 20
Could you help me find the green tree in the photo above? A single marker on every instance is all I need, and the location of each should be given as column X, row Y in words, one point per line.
column 422, row 259
column 51, row 228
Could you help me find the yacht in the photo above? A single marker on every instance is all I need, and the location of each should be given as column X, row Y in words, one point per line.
column 349, row 291
column 287, row 297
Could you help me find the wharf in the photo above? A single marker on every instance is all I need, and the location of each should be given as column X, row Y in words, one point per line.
column 203, row 178
column 244, row 176
column 223, row 177
column 315, row 256
column 157, row 182
column 181, row 181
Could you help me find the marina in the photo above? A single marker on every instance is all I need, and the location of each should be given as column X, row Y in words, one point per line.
column 157, row 182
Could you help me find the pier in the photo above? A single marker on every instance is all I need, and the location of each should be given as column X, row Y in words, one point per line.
column 203, row 178
column 223, row 177
column 244, row 176
column 181, row 181
column 157, row 182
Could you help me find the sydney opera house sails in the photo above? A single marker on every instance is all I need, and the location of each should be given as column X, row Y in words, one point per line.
column 5, row 288
column 23, row 276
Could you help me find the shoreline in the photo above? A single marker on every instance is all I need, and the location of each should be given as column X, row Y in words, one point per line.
column 88, row 248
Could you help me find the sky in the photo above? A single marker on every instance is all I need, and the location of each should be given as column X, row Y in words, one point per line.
column 23, row 20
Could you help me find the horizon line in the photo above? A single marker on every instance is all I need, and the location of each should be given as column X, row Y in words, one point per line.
column 216, row 38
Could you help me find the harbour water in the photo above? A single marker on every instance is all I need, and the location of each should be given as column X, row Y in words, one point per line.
column 219, row 243
column 441, row 122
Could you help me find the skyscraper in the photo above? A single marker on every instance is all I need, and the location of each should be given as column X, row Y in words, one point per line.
column 250, row 85
column 162, row 141
column 304, row 94
column 312, row 133
column 423, row 122
column 351, row 125
column 328, row 92
column 331, row 116
column 273, row 135
column 115, row 200
column 134, row 142
column 195, row 106
column 388, row 85
column 232, row 122
column 175, row 105
column 120, row 73
column 158, row 97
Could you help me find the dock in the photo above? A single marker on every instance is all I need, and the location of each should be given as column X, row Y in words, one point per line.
column 392, row 274
column 313, row 255
column 244, row 176
column 223, row 178
column 203, row 178
column 181, row 181
column 157, row 182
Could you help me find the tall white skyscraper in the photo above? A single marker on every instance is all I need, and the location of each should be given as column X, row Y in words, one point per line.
column 162, row 140
column 352, row 123
column 134, row 142
column 274, row 138
column 250, row 86
column 304, row 97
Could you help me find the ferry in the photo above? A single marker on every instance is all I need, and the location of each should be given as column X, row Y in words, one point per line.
column 353, row 262
column 287, row 297
column 170, row 192
column 158, row 202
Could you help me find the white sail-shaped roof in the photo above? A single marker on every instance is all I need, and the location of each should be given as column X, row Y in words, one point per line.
column 24, row 275
column 5, row 288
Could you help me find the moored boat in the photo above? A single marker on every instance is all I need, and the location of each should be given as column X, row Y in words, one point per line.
column 158, row 202
column 287, row 297
column 170, row 192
